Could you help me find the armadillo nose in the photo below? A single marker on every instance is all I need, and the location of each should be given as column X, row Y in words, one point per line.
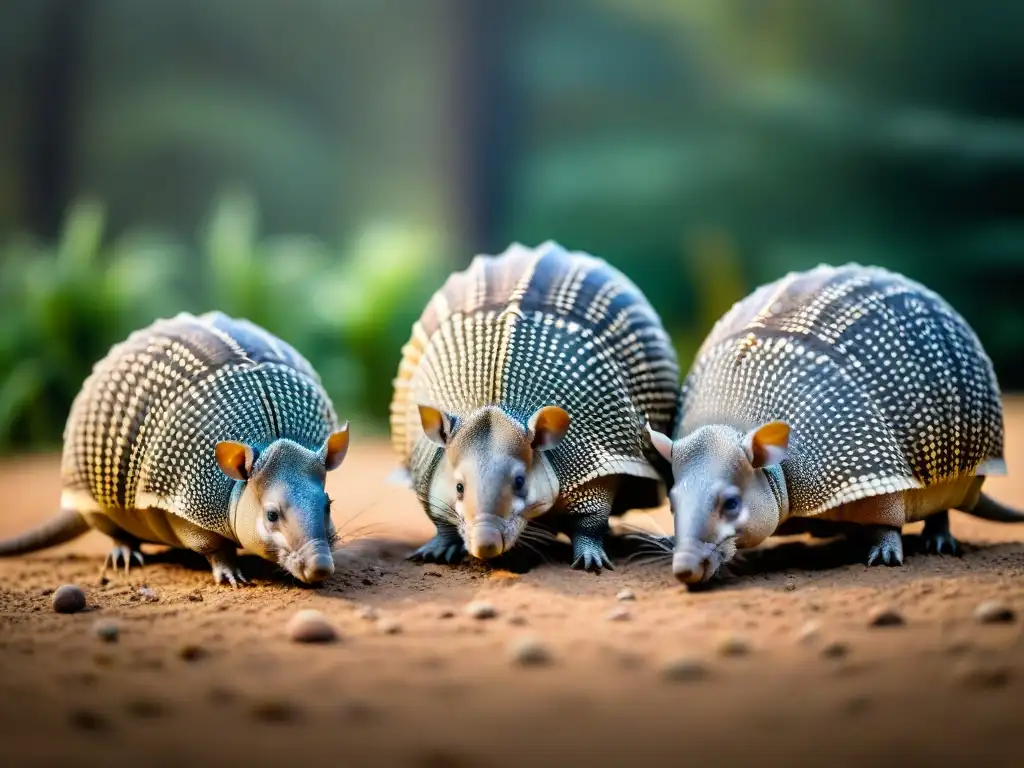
column 318, row 568
column 687, row 568
column 486, row 542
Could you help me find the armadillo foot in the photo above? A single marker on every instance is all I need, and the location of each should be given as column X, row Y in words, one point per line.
column 886, row 547
column 936, row 538
column 440, row 549
column 122, row 556
column 225, row 570
column 589, row 555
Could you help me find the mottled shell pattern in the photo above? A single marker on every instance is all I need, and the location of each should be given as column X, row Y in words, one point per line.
column 537, row 327
column 885, row 386
column 142, row 432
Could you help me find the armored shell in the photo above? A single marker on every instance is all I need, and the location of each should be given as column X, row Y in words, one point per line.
column 142, row 432
column 537, row 327
column 885, row 386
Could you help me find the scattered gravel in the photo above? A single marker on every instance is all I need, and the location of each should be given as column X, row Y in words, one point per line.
column 107, row 631
column 994, row 612
column 68, row 598
column 619, row 614
column 684, row 669
column 310, row 626
column 149, row 595
column 389, row 626
column 835, row 650
column 809, row 632
column 529, row 651
column 734, row 645
column 481, row 610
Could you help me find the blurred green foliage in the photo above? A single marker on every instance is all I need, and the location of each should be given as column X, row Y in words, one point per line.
column 62, row 306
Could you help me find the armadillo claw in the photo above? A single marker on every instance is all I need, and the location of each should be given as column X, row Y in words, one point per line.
column 887, row 548
column 940, row 544
column 224, row 573
column 590, row 556
column 120, row 556
column 440, row 549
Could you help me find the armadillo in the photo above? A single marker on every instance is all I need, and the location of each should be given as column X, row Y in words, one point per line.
column 843, row 399
column 523, row 391
column 205, row 433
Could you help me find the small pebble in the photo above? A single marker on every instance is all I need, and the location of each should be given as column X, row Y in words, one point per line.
column 273, row 711
column 529, row 651
column 446, row 613
column 619, row 614
column 517, row 620
column 195, row 596
column 790, row 586
column 149, row 595
column 984, row 677
column 481, row 610
column 368, row 612
column 191, row 652
column 46, row 592
column 88, row 721
column 389, row 626
column 835, row 650
column 734, row 645
column 809, row 632
column 625, row 595
column 885, row 616
column 994, row 612
column 684, row 669
column 68, row 599
column 107, row 631
column 310, row 626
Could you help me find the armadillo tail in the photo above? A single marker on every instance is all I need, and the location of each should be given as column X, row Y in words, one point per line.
column 990, row 509
column 66, row 526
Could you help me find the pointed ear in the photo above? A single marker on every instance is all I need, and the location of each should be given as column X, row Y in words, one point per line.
column 547, row 427
column 662, row 443
column 436, row 424
column 768, row 444
column 235, row 459
column 335, row 448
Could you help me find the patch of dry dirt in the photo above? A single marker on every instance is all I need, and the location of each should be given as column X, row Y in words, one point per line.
column 207, row 676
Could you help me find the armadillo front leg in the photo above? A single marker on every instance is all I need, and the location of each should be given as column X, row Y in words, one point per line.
column 446, row 547
column 221, row 553
column 587, row 510
column 883, row 518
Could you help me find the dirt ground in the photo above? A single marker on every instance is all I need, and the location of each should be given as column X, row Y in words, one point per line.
column 206, row 675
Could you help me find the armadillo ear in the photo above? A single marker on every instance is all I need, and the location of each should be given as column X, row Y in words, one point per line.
column 335, row 448
column 235, row 459
column 547, row 427
column 768, row 444
column 436, row 424
column 662, row 443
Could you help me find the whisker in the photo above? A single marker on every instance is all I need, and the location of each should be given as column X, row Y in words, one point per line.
column 648, row 558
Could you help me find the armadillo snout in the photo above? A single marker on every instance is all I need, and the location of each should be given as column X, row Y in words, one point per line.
column 485, row 541
column 317, row 569
column 688, row 567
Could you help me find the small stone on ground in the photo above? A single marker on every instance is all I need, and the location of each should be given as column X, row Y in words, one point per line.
column 311, row 626
column 886, row 616
column 529, row 651
column 684, row 669
column 481, row 610
column 994, row 612
column 734, row 645
column 625, row 595
column 619, row 614
column 389, row 626
column 68, row 598
column 107, row 631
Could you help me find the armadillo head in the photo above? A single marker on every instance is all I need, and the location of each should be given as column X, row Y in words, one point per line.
column 283, row 513
column 721, row 497
column 493, row 480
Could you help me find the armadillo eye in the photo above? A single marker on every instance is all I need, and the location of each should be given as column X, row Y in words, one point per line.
column 731, row 505
column 519, row 482
column 272, row 515
column 460, row 489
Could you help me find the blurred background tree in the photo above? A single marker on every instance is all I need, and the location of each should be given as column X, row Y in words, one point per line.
column 319, row 165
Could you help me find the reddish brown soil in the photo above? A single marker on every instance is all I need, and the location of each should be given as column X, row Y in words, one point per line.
column 942, row 689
